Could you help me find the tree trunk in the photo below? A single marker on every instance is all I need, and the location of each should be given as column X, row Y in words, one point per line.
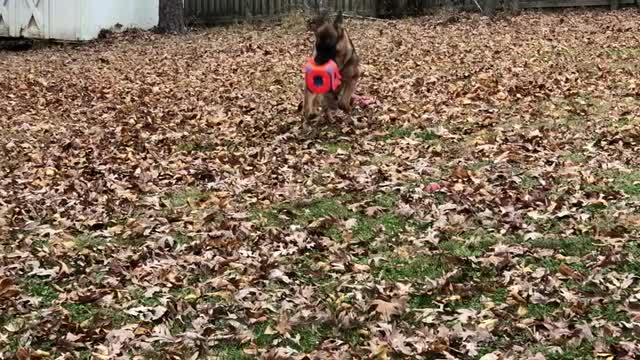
column 171, row 16
column 490, row 7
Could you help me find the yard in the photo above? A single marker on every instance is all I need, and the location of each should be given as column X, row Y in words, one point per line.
column 159, row 199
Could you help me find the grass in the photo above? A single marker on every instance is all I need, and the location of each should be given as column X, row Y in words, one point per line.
column 180, row 325
column 416, row 269
column 406, row 132
column 628, row 183
column 182, row 239
column 552, row 264
column 623, row 53
column 583, row 352
column 465, row 248
column 526, row 182
column 183, row 198
column 310, row 337
column 86, row 241
column 39, row 288
column 194, row 146
column 540, row 311
column 334, row 148
column 365, row 230
column 246, row 146
column 570, row 246
column 230, row 352
column 500, row 295
column 609, row 312
column 87, row 315
column 263, row 339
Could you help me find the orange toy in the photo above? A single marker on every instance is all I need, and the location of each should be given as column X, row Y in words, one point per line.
column 321, row 79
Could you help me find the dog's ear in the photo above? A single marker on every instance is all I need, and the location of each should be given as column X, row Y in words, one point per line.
column 314, row 22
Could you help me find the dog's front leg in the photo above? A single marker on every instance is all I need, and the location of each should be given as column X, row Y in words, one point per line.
column 308, row 107
column 344, row 103
column 349, row 82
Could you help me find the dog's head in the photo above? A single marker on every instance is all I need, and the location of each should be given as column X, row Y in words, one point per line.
column 327, row 33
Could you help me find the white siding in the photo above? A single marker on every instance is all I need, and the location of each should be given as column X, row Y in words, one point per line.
column 65, row 17
column 102, row 14
column 74, row 19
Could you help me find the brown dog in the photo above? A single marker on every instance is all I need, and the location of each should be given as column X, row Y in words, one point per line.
column 332, row 42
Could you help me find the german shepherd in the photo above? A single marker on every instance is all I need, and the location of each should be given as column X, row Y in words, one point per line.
column 332, row 42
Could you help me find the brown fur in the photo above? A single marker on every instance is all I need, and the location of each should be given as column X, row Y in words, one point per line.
column 333, row 42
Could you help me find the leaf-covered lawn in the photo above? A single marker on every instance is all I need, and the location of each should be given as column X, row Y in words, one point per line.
column 159, row 199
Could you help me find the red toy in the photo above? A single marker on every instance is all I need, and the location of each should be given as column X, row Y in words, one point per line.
column 321, row 79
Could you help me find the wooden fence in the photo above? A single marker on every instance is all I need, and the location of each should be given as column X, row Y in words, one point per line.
column 225, row 11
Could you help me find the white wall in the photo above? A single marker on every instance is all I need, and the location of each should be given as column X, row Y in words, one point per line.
column 105, row 14
column 64, row 19
column 76, row 19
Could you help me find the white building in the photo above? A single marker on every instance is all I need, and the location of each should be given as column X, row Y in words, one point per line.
column 74, row 19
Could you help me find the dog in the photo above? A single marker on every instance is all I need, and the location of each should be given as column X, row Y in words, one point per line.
column 332, row 43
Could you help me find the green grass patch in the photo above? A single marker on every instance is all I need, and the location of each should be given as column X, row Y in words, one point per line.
column 608, row 312
column 628, row 183
column 526, row 182
column 582, row 352
column 230, row 352
column 480, row 164
column 466, row 249
column 13, row 345
column 422, row 301
column 79, row 313
column 262, row 339
column 552, row 264
column 138, row 295
column 39, row 244
column 182, row 239
column 413, row 269
column 539, row 311
column 334, row 148
column 86, row 241
column 622, row 53
column 89, row 315
column 386, row 200
column 194, row 146
column 183, row 198
column 426, row 135
column 40, row 288
column 397, row 133
column 365, row 229
column 310, row 337
column 500, row 295
column 306, row 269
column 570, row 246
column 405, row 132
column 468, row 244
column 575, row 157
column 180, row 325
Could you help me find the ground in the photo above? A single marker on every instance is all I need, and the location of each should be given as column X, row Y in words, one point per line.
column 159, row 199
